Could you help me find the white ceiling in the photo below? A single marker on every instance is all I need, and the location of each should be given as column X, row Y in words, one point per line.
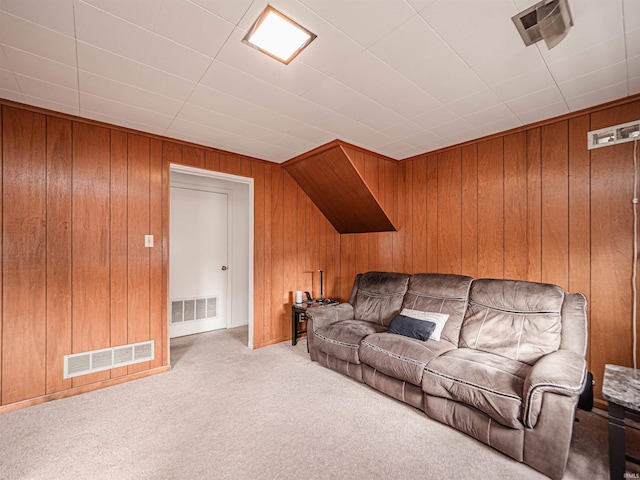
column 398, row 77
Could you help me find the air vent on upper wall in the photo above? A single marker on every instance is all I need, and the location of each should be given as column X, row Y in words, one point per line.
column 548, row 20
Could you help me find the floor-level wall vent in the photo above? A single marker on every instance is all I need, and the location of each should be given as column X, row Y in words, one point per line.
column 107, row 358
column 189, row 309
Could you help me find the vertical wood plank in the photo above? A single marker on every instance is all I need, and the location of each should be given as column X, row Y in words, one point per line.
column 419, row 208
column 166, row 196
column 59, row 165
column 268, row 321
column 290, row 244
column 158, row 296
column 138, row 279
column 119, row 245
column 212, row 160
column 90, row 243
column 259, row 269
column 555, row 204
column 534, row 206
column 193, row 157
column 277, row 291
column 245, row 168
column 24, row 255
column 400, row 237
column 432, row 214
column 490, row 208
column 515, row 206
column 579, row 212
column 469, row 242
column 449, row 213
column 230, row 164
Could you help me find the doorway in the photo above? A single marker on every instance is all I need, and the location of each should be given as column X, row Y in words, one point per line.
column 198, row 259
column 215, row 290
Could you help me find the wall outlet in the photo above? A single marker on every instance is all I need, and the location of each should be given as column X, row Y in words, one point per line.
column 148, row 241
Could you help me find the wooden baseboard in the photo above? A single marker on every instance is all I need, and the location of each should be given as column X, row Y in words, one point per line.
column 84, row 389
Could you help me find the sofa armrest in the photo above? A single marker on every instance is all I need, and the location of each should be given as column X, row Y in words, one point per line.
column 562, row 372
column 328, row 314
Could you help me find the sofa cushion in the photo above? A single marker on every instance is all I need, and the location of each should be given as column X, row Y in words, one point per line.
column 516, row 319
column 342, row 339
column 412, row 327
column 441, row 293
column 400, row 357
column 483, row 380
column 379, row 296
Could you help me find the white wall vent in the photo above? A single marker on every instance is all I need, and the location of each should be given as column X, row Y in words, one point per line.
column 105, row 359
column 189, row 309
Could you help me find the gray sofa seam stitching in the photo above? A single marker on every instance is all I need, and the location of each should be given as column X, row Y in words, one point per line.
column 393, row 355
column 506, row 395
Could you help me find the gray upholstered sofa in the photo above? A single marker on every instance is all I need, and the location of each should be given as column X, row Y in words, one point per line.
column 508, row 368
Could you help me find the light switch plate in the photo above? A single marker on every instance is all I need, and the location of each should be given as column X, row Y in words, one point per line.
column 148, row 241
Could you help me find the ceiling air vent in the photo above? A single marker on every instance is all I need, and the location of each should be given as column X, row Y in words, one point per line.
column 548, row 20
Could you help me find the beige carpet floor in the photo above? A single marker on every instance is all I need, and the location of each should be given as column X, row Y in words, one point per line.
column 227, row 412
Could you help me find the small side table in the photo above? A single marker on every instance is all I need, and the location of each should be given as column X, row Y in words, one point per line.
column 298, row 316
column 621, row 387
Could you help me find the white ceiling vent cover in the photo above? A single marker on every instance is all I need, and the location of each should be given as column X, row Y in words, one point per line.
column 105, row 359
column 548, row 20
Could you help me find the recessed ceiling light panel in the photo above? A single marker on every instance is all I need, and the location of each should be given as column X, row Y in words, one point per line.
column 278, row 36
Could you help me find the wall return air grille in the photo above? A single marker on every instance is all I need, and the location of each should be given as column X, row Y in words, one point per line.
column 189, row 309
column 107, row 358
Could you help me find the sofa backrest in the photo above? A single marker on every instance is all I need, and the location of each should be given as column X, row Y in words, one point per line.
column 377, row 296
column 515, row 319
column 440, row 293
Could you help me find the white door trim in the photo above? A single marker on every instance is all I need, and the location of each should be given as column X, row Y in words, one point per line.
column 250, row 183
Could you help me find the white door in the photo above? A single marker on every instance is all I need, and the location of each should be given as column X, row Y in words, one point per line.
column 198, row 260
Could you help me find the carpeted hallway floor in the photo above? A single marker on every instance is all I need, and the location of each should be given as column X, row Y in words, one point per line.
column 227, row 412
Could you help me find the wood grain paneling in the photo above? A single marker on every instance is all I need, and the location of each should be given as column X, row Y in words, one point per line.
column 432, row 213
column 59, row 165
column 579, row 213
column 91, row 265
column 158, row 328
column 469, row 241
column 355, row 209
column 419, row 221
column 611, row 247
column 449, row 212
column 555, row 204
column 138, row 256
column 515, row 205
column 490, row 208
column 24, row 253
column 534, row 206
column 119, row 244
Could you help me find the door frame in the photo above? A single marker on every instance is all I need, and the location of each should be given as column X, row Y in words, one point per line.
column 249, row 182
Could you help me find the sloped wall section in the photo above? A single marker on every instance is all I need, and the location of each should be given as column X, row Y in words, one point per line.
column 330, row 178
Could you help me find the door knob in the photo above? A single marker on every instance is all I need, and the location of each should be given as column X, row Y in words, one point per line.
column 224, row 267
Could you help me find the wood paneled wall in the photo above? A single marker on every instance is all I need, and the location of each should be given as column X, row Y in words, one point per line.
column 534, row 204
column 76, row 199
